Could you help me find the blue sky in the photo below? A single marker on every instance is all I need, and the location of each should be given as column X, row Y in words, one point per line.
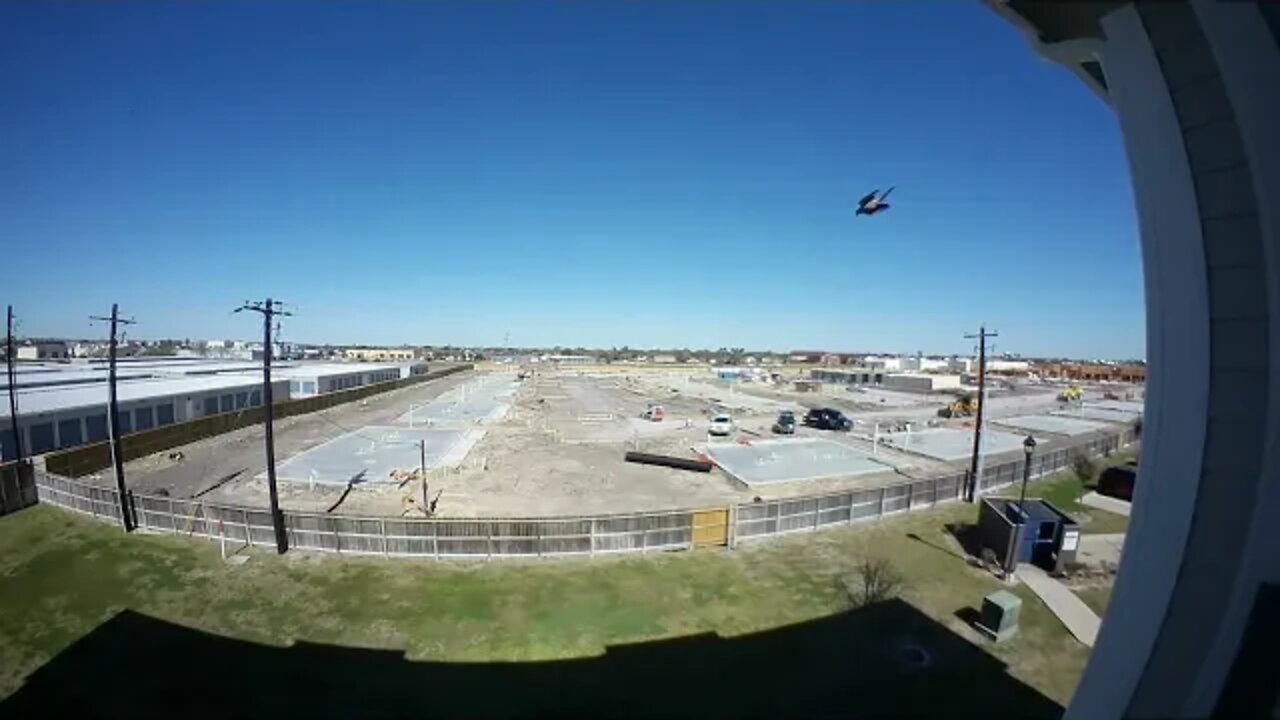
column 674, row 174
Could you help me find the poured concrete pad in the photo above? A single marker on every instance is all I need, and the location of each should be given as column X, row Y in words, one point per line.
column 949, row 444
column 478, row 402
column 1090, row 412
column 372, row 452
column 788, row 460
column 1054, row 424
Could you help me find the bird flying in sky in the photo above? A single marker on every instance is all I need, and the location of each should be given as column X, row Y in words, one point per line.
column 873, row 202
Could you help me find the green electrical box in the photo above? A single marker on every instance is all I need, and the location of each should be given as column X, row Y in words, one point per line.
column 1000, row 614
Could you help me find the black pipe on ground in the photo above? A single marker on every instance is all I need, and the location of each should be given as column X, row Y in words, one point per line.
column 669, row 461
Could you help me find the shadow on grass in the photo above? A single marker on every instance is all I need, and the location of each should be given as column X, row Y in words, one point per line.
column 967, row 535
column 864, row 662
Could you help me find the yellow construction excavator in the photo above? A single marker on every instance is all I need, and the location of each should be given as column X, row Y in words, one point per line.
column 1072, row 394
column 963, row 406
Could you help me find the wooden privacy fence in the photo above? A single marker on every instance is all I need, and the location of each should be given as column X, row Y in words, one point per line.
column 780, row 517
column 402, row 537
column 87, row 459
column 550, row 536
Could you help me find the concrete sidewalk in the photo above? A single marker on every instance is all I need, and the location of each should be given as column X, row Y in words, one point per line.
column 1110, row 504
column 1100, row 549
column 1070, row 609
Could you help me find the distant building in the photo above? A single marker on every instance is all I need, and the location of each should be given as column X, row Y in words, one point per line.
column 1011, row 367
column 569, row 359
column 379, row 354
column 805, row 357
column 54, row 350
column 664, row 359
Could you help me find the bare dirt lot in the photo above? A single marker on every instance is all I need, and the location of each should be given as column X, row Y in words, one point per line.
column 556, row 450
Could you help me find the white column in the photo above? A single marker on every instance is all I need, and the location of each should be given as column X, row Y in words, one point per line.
column 1177, row 302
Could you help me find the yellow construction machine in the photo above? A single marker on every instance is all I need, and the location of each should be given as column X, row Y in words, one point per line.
column 1071, row 394
column 963, row 406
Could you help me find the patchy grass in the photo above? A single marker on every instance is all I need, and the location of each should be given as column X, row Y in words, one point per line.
column 65, row 580
column 1096, row 598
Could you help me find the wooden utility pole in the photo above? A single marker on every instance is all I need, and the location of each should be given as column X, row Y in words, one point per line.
column 975, row 467
column 113, row 417
column 422, row 468
column 269, row 310
column 13, row 391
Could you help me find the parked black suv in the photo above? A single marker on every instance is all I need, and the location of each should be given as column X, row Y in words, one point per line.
column 827, row 419
column 786, row 423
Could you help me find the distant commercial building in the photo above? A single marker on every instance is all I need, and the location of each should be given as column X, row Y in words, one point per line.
column 53, row 418
column 379, row 354
column 308, row 380
column 664, row 359
column 1093, row 372
column 1009, row 367
column 569, row 359
column 849, row 376
column 43, row 351
column 912, row 382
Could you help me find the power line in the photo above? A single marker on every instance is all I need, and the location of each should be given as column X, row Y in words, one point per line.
column 113, row 415
column 269, row 311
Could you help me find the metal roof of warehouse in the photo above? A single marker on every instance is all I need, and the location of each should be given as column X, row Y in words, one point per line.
column 69, row 397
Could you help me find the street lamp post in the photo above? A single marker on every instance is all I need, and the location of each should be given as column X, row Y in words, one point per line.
column 1028, row 448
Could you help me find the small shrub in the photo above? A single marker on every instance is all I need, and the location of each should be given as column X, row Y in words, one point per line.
column 1084, row 468
column 874, row 580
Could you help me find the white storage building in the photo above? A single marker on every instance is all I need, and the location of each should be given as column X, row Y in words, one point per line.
column 308, row 380
column 53, row 418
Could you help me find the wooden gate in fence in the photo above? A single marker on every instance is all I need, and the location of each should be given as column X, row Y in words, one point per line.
column 711, row 527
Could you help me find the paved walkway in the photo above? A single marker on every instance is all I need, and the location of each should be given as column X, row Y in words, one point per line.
column 1071, row 610
column 1101, row 548
column 1110, row 504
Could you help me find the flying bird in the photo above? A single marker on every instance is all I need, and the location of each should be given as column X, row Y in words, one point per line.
column 873, row 202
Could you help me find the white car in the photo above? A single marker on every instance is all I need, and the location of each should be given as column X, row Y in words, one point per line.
column 720, row 425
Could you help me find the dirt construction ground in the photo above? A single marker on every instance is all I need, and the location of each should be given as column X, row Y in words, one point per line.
column 558, row 450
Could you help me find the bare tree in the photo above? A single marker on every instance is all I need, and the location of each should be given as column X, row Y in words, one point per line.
column 874, row 580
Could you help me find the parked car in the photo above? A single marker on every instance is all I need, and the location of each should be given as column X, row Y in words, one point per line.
column 827, row 419
column 721, row 424
column 654, row 413
column 785, row 424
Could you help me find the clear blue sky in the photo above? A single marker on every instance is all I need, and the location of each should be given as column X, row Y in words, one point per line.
column 580, row 173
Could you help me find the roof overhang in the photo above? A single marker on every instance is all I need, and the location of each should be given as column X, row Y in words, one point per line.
column 1067, row 33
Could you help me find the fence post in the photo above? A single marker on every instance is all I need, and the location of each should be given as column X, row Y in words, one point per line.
column 248, row 534
column 777, row 517
column 880, row 512
column 911, row 493
column 593, row 536
column 488, row 541
column 852, row 494
column 537, row 543
column 435, row 539
column 4, row 496
column 337, row 538
column 382, row 527
column 732, row 530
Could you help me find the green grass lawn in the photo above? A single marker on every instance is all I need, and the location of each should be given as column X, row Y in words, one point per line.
column 766, row 629
column 1096, row 598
